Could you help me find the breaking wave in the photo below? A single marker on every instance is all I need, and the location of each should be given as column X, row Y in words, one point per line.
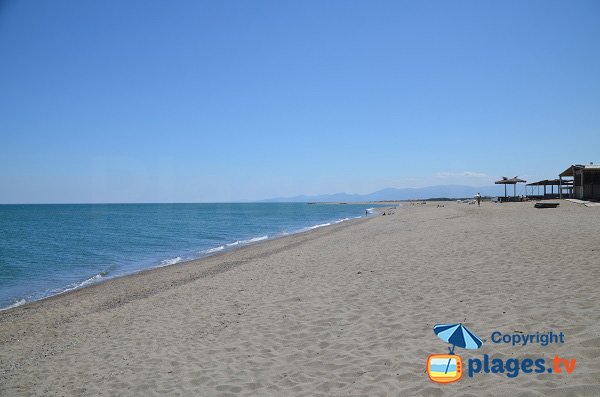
column 17, row 303
column 168, row 262
column 212, row 250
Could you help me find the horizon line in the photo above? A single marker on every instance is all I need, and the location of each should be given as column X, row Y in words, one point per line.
column 263, row 200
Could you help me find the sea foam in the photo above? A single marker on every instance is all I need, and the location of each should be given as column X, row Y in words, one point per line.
column 17, row 303
column 249, row 241
column 212, row 250
column 89, row 281
column 318, row 226
column 342, row 220
column 168, row 262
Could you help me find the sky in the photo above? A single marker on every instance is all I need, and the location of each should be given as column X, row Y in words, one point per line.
column 209, row 101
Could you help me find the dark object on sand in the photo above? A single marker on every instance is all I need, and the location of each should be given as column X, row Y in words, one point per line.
column 546, row 205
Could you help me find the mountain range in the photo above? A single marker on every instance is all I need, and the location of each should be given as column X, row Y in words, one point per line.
column 389, row 194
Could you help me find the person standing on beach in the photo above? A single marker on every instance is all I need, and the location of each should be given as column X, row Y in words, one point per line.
column 478, row 199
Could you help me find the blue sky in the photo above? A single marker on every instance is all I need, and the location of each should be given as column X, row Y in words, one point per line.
column 140, row 101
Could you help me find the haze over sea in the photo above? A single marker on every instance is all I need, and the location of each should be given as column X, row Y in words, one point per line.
column 49, row 249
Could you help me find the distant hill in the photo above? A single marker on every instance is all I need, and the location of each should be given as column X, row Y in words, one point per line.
column 445, row 191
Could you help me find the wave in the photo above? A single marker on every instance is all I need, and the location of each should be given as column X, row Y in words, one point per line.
column 318, row 226
column 17, row 303
column 255, row 239
column 249, row 241
column 215, row 249
column 168, row 262
column 325, row 224
column 235, row 243
column 91, row 280
column 342, row 220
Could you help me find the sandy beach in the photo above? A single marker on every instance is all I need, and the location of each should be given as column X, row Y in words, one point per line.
column 345, row 310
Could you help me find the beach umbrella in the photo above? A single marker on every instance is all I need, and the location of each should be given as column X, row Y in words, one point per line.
column 458, row 335
column 510, row 181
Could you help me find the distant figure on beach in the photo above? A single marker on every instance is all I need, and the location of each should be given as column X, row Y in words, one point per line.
column 366, row 212
column 478, row 199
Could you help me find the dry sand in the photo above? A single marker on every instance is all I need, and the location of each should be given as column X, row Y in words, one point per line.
column 346, row 310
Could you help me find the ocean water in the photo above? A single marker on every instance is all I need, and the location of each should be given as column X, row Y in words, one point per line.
column 50, row 249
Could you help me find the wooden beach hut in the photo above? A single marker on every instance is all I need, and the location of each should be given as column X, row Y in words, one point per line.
column 586, row 181
column 549, row 184
column 509, row 181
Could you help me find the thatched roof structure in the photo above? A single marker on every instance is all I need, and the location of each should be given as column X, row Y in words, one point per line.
column 509, row 181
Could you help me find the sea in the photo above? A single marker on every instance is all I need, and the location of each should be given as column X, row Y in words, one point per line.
column 51, row 249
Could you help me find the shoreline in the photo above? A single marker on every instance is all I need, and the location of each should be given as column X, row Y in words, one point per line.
column 206, row 253
column 185, row 265
column 342, row 310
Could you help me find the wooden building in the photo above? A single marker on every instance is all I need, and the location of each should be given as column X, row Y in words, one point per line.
column 586, row 181
column 564, row 188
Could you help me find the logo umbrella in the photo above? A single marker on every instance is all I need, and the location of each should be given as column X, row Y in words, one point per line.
column 458, row 335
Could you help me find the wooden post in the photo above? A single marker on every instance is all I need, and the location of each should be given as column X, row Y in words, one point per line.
column 560, row 187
